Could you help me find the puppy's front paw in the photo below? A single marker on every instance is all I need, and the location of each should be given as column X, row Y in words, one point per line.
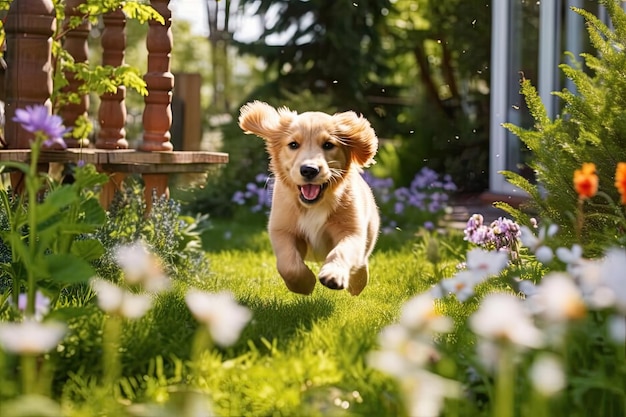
column 334, row 277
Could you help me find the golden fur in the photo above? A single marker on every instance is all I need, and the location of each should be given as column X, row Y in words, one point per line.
column 322, row 209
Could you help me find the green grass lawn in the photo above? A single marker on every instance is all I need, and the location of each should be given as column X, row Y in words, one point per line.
column 306, row 355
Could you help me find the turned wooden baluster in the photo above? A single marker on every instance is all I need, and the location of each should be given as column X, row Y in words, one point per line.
column 29, row 27
column 75, row 43
column 157, row 114
column 112, row 111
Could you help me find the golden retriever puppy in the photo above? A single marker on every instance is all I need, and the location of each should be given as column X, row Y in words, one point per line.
column 322, row 209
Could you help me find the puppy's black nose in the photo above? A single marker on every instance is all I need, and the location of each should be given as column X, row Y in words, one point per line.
column 309, row 171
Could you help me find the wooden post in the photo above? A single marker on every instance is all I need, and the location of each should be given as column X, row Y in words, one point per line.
column 112, row 111
column 157, row 114
column 29, row 27
column 188, row 86
column 75, row 43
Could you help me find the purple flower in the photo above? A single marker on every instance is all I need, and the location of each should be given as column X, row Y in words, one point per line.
column 37, row 119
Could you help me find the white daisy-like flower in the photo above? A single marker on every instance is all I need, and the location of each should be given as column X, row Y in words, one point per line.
column 536, row 244
column 425, row 393
column 31, row 337
column 486, row 263
column 617, row 328
column 613, row 276
column 115, row 300
column 220, row 312
column 502, row 317
column 141, row 267
column 547, row 374
column 420, row 314
column 462, row 284
column 559, row 299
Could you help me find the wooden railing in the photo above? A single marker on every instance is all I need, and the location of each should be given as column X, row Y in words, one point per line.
column 29, row 27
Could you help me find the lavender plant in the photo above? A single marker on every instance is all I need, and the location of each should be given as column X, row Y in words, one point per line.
column 422, row 204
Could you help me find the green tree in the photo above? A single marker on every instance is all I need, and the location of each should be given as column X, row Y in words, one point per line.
column 330, row 47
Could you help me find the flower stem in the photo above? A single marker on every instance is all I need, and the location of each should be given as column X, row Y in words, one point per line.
column 29, row 373
column 111, row 355
column 32, row 188
column 504, row 401
column 579, row 220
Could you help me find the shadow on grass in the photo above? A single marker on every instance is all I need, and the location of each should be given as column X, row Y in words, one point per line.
column 280, row 320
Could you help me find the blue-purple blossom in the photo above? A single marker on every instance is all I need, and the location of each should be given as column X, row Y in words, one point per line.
column 258, row 194
column 38, row 120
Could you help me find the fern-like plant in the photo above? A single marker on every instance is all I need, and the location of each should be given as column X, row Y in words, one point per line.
column 591, row 127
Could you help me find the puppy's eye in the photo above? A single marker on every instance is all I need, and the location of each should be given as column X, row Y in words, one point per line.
column 328, row 146
column 293, row 145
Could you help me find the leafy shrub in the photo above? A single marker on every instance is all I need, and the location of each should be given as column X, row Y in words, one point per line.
column 174, row 238
column 590, row 128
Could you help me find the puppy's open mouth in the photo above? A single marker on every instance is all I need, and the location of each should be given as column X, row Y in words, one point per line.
column 310, row 193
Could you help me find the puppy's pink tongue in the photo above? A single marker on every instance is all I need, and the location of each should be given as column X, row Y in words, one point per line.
column 310, row 191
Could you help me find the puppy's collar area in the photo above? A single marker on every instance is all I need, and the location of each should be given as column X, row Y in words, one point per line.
column 310, row 193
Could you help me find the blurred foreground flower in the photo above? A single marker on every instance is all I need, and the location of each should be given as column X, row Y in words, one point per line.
column 38, row 120
column 502, row 318
column 547, row 374
column 31, row 337
column 220, row 312
column 620, row 181
column 115, row 300
column 141, row 267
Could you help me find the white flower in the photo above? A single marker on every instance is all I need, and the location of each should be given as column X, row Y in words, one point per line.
column 613, row 276
column 42, row 304
column 502, row 317
column 559, row 299
column 141, row 267
column 544, row 254
column 536, row 243
column 547, row 375
column 617, row 329
column 570, row 256
column 526, row 287
column 31, row 337
column 486, row 263
column 115, row 300
column 220, row 312
column 425, row 393
column 420, row 314
column 462, row 284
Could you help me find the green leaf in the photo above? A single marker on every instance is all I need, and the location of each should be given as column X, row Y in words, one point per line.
column 141, row 12
column 57, row 199
column 89, row 250
column 68, row 269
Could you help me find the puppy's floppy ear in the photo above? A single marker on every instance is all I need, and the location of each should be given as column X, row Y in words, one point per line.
column 264, row 120
column 356, row 133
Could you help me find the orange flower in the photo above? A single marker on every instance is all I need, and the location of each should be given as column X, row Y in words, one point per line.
column 586, row 181
column 620, row 180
